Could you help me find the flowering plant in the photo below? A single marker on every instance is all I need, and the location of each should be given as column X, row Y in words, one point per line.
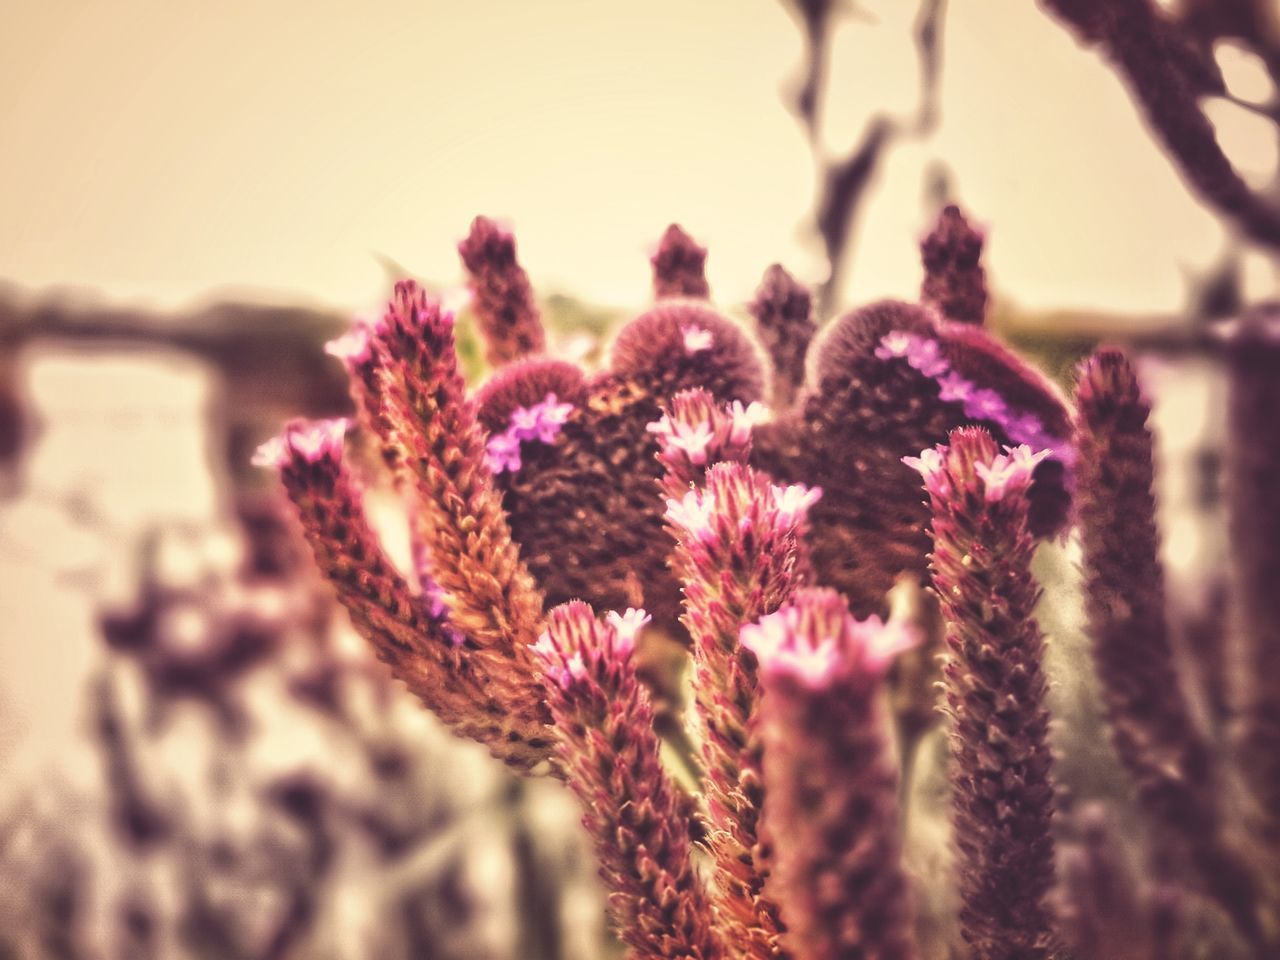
column 562, row 520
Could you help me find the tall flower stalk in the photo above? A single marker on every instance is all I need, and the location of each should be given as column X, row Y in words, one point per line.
column 632, row 810
column 738, row 556
column 480, row 694
column 1002, row 790
column 501, row 295
column 831, row 807
column 1168, row 757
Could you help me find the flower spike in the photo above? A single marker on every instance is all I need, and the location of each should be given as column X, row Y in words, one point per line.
column 739, row 554
column 954, row 282
column 679, row 266
column 1002, row 793
column 503, row 301
column 409, row 631
column 830, row 788
column 783, row 311
column 633, row 811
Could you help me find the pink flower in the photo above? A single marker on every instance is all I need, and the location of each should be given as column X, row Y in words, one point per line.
column 745, row 419
column 1009, row 471
column 502, row 452
column 793, row 502
column 986, row 405
column 926, row 356
column 696, row 338
column 309, row 441
column 929, row 464
column 693, row 513
column 895, row 343
column 692, row 440
column 627, row 627
column 355, row 346
column 880, row 643
column 954, row 387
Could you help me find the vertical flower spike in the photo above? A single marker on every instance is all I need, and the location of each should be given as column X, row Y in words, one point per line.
column 890, row 382
column 505, row 309
column 1158, row 743
column 954, row 282
column 697, row 432
column 679, row 266
column 1002, row 795
column 1253, row 351
column 458, row 517
column 783, row 310
column 610, row 757
column 831, row 806
column 738, row 556
column 408, row 631
column 1150, row 721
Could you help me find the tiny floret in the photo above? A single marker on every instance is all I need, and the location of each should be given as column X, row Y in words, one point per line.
column 1009, row 471
column 793, row 502
column 696, row 338
column 929, row 464
column 744, row 419
column 626, row 627
column 271, row 454
column 955, row 388
column 693, row 513
column 354, row 347
column 309, row 441
column 502, row 453
column 895, row 343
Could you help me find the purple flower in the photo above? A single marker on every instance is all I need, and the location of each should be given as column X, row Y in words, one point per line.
column 926, row 356
column 502, row 452
column 312, row 441
column 986, row 405
column 954, row 387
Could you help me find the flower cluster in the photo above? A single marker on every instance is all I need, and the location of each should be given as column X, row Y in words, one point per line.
column 540, row 422
column 981, row 404
column 759, row 547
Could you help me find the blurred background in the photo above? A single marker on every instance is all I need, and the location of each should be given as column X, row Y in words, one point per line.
column 196, row 758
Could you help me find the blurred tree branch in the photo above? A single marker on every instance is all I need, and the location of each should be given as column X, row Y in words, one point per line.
column 1166, row 60
column 843, row 182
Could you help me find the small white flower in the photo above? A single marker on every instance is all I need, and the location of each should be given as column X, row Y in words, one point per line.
column 696, row 338
column 929, row 464
column 272, row 454
column 793, row 501
column 627, row 626
column 693, row 513
column 895, row 343
column 1011, row 471
column 693, row 440
column 745, row 419
column 318, row 440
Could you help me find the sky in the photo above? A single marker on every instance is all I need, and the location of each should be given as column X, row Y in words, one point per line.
column 165, row 151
